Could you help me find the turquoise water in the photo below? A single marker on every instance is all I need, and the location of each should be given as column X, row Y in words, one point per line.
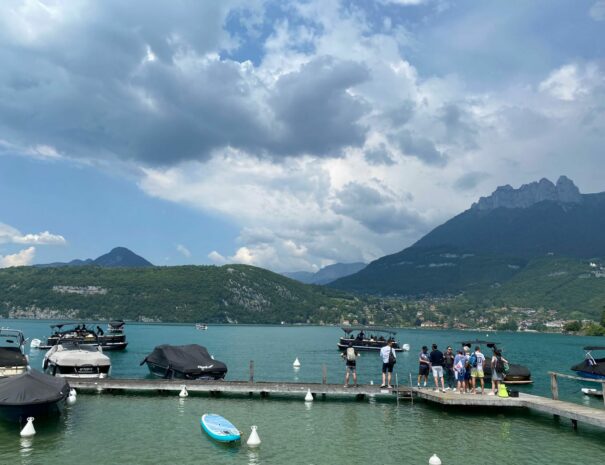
column 107, row 429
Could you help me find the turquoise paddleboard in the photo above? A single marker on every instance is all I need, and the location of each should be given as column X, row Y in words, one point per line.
column 219, row 429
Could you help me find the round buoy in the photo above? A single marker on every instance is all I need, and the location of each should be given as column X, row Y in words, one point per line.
column 309, row 396
column 434, row 460
column 71, row 398
column 28, row 430
column 253, row 440
column 183, row 392
column 296, row 363
column 73, row 392
column 405, row 347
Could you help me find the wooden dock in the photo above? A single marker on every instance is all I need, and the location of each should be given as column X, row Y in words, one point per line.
column 559, row 409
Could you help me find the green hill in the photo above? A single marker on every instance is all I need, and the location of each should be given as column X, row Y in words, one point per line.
column 226, row 294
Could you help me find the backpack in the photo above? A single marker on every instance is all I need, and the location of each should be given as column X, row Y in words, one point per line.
column 351, row 354
column 473, row 360
column 392, row 359
column 499, row 365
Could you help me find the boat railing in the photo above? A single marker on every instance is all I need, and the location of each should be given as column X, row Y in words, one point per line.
column 554, row 385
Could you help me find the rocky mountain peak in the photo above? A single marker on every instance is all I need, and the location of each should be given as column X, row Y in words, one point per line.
column 564, row 191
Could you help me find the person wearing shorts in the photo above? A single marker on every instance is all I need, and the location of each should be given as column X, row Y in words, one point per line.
column 423, row 365
column 387, row 366
column 436, row 359
column 460, row 370
column 477, row 371
column 350, row 355
column 467, row 370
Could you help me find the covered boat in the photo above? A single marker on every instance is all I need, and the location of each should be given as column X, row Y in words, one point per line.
column 591, row 367
column 190, row 361
column 72, row 360
column 13, row 360
column 32, row 394
column 517, row 374
column 369, row 338
column 115, row 339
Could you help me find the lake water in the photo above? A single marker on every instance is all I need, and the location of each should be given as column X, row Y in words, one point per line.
column 145, row 429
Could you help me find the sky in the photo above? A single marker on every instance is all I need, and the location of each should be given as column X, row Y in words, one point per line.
column 283, row 134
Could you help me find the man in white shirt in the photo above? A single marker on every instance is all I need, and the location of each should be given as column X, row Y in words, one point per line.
column 477, row 369
column 387, row 353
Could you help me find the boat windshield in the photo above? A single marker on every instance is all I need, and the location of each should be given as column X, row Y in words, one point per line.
column 11, row 338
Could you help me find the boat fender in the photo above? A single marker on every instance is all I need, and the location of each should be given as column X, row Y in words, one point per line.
column 28, row 430
column 71, row 398
column 309, row 396
column 183, row 392
column 253, row 440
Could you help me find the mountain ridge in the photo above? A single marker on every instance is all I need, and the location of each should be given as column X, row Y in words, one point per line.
column 118, row 257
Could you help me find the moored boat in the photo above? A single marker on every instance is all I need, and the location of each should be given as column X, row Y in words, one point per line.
column 201, row 326
column 591, row 367
column 369, row 338
column 115, row 339
column 72, row 360
column 32, row 394
column 13, row 360
column 517, row 374
column 190, row 361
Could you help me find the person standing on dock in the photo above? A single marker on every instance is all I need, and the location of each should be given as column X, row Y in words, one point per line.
column 350, row 356
column 497, row 370
column 460, row 370
column 424, row 365
column 477, row 361
column 448, row 369
column 436, row 359
column 388, row 362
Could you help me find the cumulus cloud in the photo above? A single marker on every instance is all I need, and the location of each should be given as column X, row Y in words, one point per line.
column 21, row 258
column 11, row 235
column 572, row 81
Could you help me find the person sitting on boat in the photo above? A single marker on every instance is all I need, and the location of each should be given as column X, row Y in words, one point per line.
column 359, row 336
column 99, row 331
column 381, row 338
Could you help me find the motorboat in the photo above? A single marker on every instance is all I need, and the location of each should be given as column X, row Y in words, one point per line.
column 32, row 394
column 591, row 367
column 201, row 326
column 190, row 361
column 592, row 392
column 13, row 360
column 369, row 338
column 517, row 374
column 69, row 359
column 115, row 339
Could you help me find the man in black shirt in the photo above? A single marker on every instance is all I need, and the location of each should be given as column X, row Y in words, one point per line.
column 436, row 359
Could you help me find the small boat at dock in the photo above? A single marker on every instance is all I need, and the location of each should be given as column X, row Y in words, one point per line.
column 190, row 361
column 72, row 360
column 517, row 374
column 13, row 360
column 115, row 339
column 591, row 367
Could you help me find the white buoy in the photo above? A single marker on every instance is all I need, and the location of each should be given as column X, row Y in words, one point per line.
column 253, row 440
column 35, row 343
column 28, row 430
column 296, row 363
column 405, row 347
column 434, row 460
column 73, row 392
column 372, row 382
column 183, row 392
column 309, row 396
column 72, row 397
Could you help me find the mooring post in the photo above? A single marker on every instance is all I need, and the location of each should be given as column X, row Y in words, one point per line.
column 324, row 369
column 251, row 371
column 554, row 387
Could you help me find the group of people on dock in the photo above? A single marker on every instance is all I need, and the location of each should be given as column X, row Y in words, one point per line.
column 463, row 371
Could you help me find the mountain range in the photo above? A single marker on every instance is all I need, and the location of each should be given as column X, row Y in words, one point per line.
column 118, row 257
column 487, row 249
column 327, row 274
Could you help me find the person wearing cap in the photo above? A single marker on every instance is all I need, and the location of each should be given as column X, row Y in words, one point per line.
column 424, row 365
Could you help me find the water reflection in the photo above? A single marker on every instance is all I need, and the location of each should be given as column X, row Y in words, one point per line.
column 27, row 448
column 253, row 457
column 181, row 406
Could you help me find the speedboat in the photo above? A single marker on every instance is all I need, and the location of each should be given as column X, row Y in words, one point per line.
column 190, row 361
column 69, row 359
column 115, row 339
column 591, row 367
column 517, row 374
column 369, row 338
column 201, row 326
column 32, row 394
column 13, row 360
